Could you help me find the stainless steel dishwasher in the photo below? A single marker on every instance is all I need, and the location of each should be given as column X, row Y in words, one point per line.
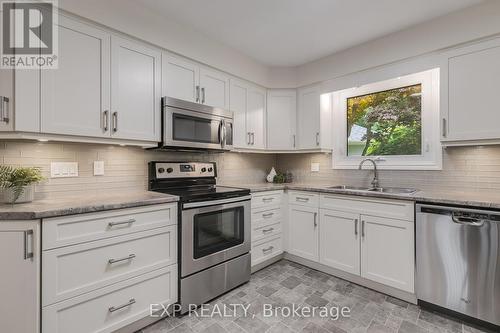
column 458, row 260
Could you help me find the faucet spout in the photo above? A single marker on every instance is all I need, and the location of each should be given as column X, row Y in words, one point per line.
column 375, row 182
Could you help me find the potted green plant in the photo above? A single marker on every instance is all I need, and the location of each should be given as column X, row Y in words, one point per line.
column 18, row 183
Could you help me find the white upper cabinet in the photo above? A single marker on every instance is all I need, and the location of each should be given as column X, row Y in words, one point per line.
column 248, row 103
column 189, row 81
column 314, row 119
column 281, row 119
column 135, row 91
column 473, row 113
column 75, row 97
column 214, row 88
column 180, row 78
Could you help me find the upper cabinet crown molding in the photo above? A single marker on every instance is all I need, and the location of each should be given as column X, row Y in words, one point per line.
column 193, row 82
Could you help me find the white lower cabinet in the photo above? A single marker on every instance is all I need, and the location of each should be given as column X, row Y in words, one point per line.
column 20, row 276
column 303, row 232
column 387, row 252
column 339, row 240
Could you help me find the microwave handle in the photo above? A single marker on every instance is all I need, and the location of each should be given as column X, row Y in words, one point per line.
column 222, row 136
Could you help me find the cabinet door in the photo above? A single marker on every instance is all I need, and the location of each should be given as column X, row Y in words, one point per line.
column 136, row 90
column 238, row 104
column 303, row 232
column 75, row 96
column 281, row 117
column 340, row 240
column 387, row 251
column 214, row 88
column 6, row 91
column 20, row 287
column 308, row 115
column 473, row 112
column 180, row 78
column 256, row 117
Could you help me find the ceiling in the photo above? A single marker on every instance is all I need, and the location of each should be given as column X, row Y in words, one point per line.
column 294, row 32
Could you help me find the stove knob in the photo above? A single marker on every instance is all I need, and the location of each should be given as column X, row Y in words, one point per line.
column 161, row 170
column 170, row 170
column 210, row 169
column 203, row 169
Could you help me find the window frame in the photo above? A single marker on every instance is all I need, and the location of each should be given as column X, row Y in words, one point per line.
column 431, row 157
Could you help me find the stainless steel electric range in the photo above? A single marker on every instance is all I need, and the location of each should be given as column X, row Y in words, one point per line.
column 214, row 229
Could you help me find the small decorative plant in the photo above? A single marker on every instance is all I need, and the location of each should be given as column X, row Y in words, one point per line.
column 15, row 181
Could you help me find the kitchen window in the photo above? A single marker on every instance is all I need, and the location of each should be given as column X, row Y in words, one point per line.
column 395, row 122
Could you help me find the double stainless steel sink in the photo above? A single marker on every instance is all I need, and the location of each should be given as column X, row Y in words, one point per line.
column 388, row 190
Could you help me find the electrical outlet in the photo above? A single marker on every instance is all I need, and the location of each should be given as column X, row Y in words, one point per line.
column 98, row 168
column 63, row 169
column 314, row 167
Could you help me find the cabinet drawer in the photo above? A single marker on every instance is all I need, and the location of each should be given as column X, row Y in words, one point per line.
column 100, row 312
column 267, row 199
column 69, row 230
column 266, row 249
column 303, row 198
column 265, row 216
column 74, row 270
column 397, row 209
column 266, row 231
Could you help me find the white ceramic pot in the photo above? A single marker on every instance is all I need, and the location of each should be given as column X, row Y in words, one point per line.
column 28, row 195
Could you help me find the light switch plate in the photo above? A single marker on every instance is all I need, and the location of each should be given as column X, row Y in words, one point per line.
column 63, row 169
column 98, row 168
column 314, row 167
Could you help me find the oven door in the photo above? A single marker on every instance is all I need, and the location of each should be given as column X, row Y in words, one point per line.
column 213, row 232
column 184, row 128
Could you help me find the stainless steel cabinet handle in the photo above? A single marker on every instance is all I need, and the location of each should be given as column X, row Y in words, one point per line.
column 28, row 244
column 129, row 257
column 115, row 121
column 315, row 220
column 302, row 199
column 270, row 248
column 317, row 138
column 294, row 141
column 105, row 120
column 267, row 199
column 4, row 109
column 197, row 94
column 363, row 228
column 356, row 227
column 444, row 128
column 116, row 308
column 253, row 138
column 249, row 140
column 267, row 230
column 267, row 215
column 203, row 95
column 129, row 221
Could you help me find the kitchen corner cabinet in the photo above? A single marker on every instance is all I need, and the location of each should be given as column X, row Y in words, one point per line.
column 314, row 119
column 20, row 277
column 192, row 82
column 281, row 119
column 473, row 113
column 248, row 103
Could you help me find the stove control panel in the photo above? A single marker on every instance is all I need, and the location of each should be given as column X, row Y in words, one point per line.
column 184, row 169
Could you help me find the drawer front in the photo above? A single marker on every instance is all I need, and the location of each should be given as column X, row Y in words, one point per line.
column 266, row 216
column 266, row 249
column 74, row 270
column 266, row 199
column 267, row 231
column 303, row 198
column 100, row 312
column 69, row 230
column 397, row 209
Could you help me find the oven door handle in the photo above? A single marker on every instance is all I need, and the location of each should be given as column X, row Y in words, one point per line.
column 215, row 202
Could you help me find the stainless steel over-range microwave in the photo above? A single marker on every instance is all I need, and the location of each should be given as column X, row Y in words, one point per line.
column 195, row 126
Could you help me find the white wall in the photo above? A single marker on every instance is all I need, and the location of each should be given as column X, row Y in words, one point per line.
column 131, row 18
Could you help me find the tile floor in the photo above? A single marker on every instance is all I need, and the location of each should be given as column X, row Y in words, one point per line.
column 285, row 283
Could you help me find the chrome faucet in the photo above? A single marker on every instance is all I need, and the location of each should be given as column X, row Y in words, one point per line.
column 375, row 171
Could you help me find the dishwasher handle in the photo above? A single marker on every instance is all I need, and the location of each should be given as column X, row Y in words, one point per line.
column 459, row 218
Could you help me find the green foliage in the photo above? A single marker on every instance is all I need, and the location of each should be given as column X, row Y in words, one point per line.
column 280, row 178
column 16, row 178
column 392, row 119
